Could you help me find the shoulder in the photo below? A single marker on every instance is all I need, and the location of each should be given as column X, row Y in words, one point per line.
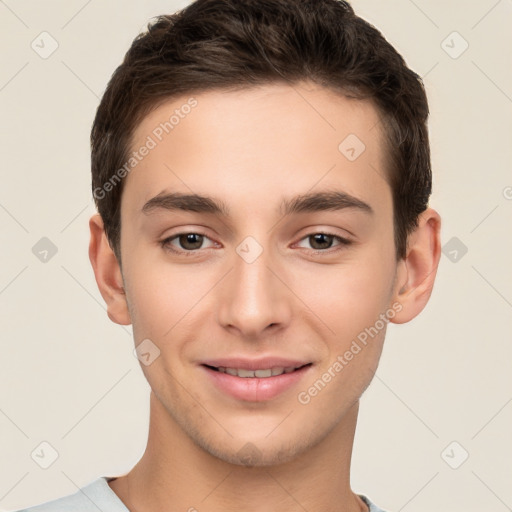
column 90, row 498
column 371, row 506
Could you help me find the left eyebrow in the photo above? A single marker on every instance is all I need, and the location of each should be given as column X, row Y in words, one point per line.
column 331, row 200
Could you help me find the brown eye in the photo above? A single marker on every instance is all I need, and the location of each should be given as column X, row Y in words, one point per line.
column 186, row 243
column 321, row 241
column 190, row 241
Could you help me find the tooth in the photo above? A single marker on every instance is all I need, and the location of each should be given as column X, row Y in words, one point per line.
column 263, row 373
column 245, row 373
column 269, row 372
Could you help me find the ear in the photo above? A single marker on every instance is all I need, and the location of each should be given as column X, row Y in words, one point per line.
column 417, row 271
column 107, row 272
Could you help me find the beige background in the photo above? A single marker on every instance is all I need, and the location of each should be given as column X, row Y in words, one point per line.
column 68, row 375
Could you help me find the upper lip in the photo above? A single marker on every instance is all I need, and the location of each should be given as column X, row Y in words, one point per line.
column 255, row 364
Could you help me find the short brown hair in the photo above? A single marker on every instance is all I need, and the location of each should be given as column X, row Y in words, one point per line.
column 233, row 44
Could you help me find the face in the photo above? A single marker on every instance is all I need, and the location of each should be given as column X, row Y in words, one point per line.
column 257, row 238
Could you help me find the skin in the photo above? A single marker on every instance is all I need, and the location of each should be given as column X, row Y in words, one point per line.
column 250, row 149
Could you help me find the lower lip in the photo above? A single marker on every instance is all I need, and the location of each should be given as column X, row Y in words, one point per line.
column 255, row 389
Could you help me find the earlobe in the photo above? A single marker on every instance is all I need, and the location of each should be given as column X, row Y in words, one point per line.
column 107, row 272
column 416, row 273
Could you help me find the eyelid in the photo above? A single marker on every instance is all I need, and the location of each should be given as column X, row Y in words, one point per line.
column 166, row 242
column 343, row 242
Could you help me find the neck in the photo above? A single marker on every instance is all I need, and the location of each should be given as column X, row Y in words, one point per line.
column 176, row 474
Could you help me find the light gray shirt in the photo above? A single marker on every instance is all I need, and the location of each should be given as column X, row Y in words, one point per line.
column 99, row 496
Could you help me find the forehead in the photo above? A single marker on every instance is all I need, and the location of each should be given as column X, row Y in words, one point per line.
column 256, row 142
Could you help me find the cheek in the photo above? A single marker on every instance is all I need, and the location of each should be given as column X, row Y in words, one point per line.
column 365, row 297
column 162, row 297
column 350, row 302
column 346, row 298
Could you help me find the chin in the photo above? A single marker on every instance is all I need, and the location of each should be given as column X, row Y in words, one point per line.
column 257, row 451
column 254, row 455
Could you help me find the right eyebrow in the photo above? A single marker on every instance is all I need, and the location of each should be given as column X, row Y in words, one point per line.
column 186, row 202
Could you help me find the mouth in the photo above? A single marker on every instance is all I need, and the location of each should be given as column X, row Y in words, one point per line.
column 265, row 373
column 257, row 384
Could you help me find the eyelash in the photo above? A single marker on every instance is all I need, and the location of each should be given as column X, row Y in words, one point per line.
column 343, row 242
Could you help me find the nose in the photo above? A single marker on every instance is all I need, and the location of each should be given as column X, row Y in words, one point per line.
column 253, row 299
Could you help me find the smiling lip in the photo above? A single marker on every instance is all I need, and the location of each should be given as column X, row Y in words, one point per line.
column 255, row 389
column 255, row 364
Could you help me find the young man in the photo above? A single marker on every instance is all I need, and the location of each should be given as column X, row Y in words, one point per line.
column 262, row 173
